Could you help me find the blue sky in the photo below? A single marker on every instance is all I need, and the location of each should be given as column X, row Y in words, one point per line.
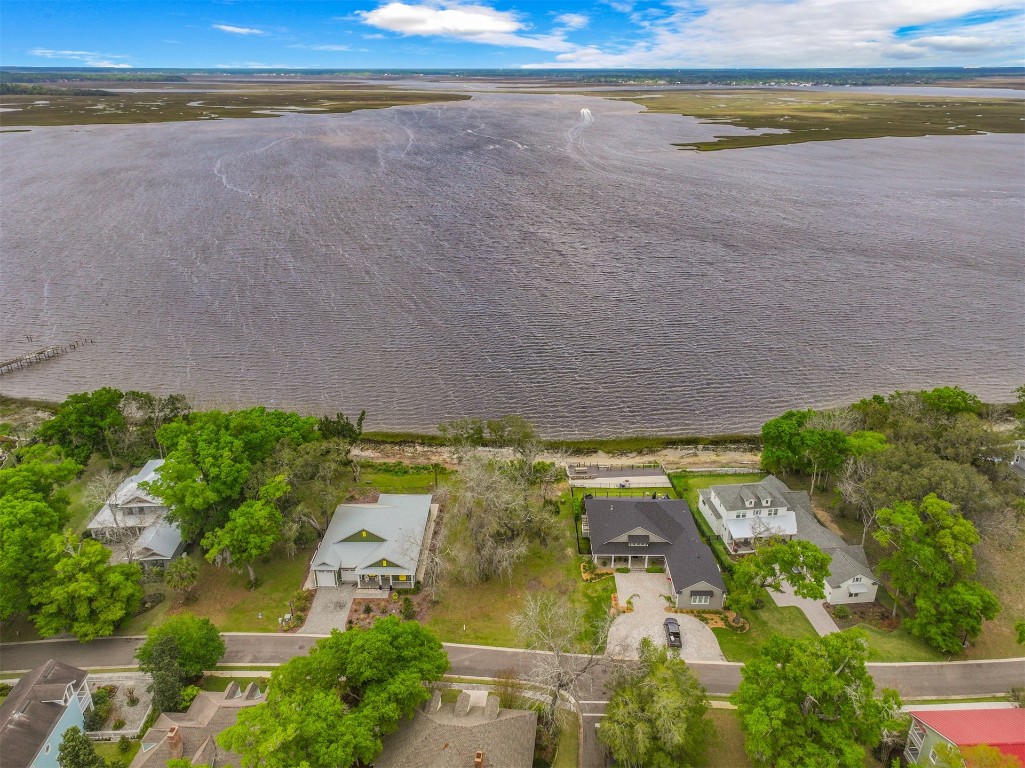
column 426, row 34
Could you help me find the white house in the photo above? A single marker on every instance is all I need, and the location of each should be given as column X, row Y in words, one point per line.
column 378, row 544
column 743, row 513
column 133, row 518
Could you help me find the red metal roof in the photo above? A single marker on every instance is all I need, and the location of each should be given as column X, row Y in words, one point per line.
column 1000, row 728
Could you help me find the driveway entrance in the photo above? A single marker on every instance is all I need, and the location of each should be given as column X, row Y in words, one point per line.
column 647, row 590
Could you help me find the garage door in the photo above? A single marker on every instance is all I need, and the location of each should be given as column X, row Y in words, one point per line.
column 327, row 578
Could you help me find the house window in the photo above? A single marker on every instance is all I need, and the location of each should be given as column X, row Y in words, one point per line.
column 933, row 757
column 638, row 544
column 741, row 515
column 402, row 577
column 751, row 503
column 773, row 513
column 856, row 578
column 700, row 598
column 758, row 513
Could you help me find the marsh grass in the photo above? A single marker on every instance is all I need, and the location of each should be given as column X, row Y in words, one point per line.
column 831, row 116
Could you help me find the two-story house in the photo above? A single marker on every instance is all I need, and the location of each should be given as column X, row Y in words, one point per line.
column 381, row 544
column 742, row 514
column 44, row 704
column 1002, row 729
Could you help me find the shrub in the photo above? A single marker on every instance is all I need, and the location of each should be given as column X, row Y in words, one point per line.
column 655, row 569
column 842, row 612
column 149, row 601
column 302, row 600
column 1017, row 695
column 102, row 707
column 5, row 688
column 368, row 608
column 133, row 699
column 188, row 695
column 124, row 744
column 408, row 609
column 623, row 570
column 118, row 724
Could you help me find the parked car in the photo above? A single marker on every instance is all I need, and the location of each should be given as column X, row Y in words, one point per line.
column 672, row 628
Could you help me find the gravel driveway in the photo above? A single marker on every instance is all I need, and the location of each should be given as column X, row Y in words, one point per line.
column 647, row 589
column 330, row 609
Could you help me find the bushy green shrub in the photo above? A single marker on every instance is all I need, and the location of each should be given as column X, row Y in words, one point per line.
column 408, row 609
column 623, row 570
column 842, row 612
column 188, row 695
column 124, row 744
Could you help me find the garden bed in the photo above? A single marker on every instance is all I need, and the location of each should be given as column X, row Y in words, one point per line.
column 122, row 716
column 872, row 614
column 365, row 611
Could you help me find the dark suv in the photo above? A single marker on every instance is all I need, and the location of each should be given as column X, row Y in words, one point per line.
column 672, row 628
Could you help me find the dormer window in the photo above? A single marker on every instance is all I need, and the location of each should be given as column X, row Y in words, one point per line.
column 750, row 502
column 766, row 502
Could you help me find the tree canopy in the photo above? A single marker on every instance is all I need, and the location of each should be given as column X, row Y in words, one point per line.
column 252, row 529
column 655, row 714
column 330, row 709
column 84, row 594
column 812, row 704
column 86, row 422
column 76, row 750
column 798, row 563
column 199, row 644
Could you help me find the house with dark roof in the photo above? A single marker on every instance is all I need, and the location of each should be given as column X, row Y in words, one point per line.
column 191, row 734
column 472, row 732
column 44, row 704
column 379, row 544
column 636, row 533
column 1002, row 729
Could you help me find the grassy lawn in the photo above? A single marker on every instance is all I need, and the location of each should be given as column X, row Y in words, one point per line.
column 137, row 625
column 569, row 740
column 397, row 477
column 898, row 645
column 110, row 751
column 726, row 747
column 80, row 512
column 225, row 597
column 687, row 484
column 217, row 683
column 788, row 622
column 579, row 493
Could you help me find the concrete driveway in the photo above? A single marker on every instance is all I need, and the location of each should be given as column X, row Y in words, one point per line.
column 647, row 590
column 330, row 609
column 813, row 609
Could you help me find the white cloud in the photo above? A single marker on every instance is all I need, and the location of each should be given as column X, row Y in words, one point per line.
column 573, row 20
column 89, row 58
column 322, row 47
column 808, row 33
column 232, row 30
column 464, row 21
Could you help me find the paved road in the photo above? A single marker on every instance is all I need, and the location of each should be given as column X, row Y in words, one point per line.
column 911, row 680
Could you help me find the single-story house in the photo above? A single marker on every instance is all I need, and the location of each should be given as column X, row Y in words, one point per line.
column 130, row 506
column 377, row 544
column 44, row 704
column 742, row 514
column 158, row 545
column 1003, row 729
column 472, row 732
column 191, row 734
column 637, row 532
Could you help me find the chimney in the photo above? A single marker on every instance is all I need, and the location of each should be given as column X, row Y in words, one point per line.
column 478, row 759
column 174, row 741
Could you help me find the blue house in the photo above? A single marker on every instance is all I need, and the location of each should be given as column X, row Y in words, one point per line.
column 40, row 708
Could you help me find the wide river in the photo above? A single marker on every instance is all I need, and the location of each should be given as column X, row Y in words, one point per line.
column 551, row 256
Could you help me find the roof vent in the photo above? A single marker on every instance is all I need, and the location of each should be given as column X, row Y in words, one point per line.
column 478, row 759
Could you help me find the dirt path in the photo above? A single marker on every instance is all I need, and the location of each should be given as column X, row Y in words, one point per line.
column 696, row 457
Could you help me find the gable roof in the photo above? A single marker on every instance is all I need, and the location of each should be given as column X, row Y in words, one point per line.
column 400, row 519
column 129, row 494
column 1000, row 728
column 160, row 541
column 445, row 740
column 31, row 710
column 689, row 559
column 735, row 497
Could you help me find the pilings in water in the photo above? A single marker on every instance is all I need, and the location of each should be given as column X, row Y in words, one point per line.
column 46, row 353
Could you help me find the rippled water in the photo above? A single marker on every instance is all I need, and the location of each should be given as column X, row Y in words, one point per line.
column 552, row 256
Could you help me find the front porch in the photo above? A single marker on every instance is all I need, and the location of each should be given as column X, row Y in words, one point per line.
column 633, row 562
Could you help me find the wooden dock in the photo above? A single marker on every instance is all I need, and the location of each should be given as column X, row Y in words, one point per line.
column 46, row 353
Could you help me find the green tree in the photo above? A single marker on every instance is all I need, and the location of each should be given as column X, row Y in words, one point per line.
column 26, row 524
column 798, row 563
column 812, row 704
column 783, row 442
column 86, row 422
column 199, row 644
column 41, row 473
column 251, row 530
column 951, row 400
column 163, row 666
column 210, row 456
column 949, row 617
column 979, row 756
column 865, row 442
column 655, row 715
column 824, row 451
column 77, row 751
column 181, row 576
column 330, row 709
column 84, row 594
column 341, row 427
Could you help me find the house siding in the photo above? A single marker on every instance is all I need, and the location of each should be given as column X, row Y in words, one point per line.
column 72, row 716
column 715, row 602
column 841, row 596
column 930, row 741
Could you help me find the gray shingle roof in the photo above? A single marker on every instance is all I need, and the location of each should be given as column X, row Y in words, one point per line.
column 29, row 713
column 398, row 518
column 161, row 540
column 443, row 740
column 689, row 559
